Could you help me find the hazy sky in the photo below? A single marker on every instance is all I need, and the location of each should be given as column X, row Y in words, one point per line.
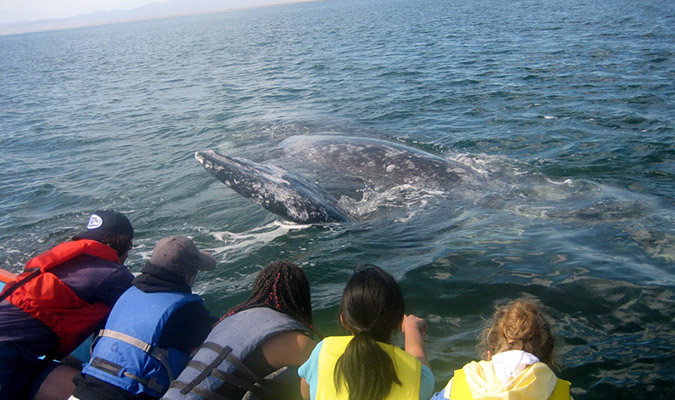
column 29, row 10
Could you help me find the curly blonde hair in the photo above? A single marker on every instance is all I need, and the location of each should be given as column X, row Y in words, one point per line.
column 519, row 325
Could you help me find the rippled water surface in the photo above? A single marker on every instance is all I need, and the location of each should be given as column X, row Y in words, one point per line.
column 563, row 110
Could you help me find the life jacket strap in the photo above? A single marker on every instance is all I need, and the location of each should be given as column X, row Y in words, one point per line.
column 151, row 384
column 106, row 366
column 145, row 347
column 156, row 352
column 207, row 369
column 205, row 394
column 233, row 380
column 11, row 287
column 111, row 368
column 225, row 353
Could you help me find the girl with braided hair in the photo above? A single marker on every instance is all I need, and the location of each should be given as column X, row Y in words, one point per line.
column 365, row 365
column 267, row 335
column 281, row 286
column 518, row 350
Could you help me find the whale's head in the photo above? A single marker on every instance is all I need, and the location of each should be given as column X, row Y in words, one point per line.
column 275, row 189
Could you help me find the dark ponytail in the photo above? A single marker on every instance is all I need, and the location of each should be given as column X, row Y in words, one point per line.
column 372, row 307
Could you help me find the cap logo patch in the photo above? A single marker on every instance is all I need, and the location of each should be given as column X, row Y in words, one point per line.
column 94, row 222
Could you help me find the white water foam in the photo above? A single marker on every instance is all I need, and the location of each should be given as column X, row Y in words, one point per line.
column 253, row 238
column 410, row 198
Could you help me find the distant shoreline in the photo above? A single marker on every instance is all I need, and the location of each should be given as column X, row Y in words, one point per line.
column 117, row 17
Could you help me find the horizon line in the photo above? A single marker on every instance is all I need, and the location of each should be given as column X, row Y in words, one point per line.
column 61, row 24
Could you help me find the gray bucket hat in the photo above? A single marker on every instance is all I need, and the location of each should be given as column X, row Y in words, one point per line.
column 180, row 255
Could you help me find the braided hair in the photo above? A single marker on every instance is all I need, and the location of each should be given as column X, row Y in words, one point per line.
column 281, row 286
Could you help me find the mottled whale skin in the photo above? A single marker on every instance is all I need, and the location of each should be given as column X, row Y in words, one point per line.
column 278, row 191
column 375, row 162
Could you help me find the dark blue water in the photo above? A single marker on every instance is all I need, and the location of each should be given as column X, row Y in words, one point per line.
column 564, row 110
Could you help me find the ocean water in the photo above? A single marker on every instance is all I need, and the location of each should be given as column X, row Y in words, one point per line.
column 564, row 110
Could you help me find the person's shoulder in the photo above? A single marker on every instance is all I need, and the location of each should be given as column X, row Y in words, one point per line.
column 426, row 382
column 100, row 265
column 291, row 348
column 308, row 368
column 121, row 274
column 196, row 310
column 113, row 284
column 187, row 327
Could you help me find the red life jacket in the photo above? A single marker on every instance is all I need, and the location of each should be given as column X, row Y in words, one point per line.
column 48, row 299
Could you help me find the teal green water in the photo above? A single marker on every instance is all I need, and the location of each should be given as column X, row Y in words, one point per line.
column 564, row 109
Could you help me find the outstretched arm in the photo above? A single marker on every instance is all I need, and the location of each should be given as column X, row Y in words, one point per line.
column 413, row 329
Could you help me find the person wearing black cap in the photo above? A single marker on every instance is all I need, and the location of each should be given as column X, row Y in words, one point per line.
column 60, row 299
column 152, row 329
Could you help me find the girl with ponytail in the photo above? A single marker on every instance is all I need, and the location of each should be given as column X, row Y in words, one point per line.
column 365, row 365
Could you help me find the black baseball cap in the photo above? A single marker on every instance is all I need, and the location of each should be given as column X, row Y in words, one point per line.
column 106, row 223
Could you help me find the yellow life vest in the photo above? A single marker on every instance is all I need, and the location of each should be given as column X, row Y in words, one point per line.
column 408, row 370
column 460, row 388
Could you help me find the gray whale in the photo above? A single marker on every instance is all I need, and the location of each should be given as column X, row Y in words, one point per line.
column 375, row 162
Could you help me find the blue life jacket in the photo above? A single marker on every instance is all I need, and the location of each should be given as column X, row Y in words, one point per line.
column 126, row 354
column 223, row 351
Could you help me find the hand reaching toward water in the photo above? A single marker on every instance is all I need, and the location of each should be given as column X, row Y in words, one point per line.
column 413, row 329
column 414, row 322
